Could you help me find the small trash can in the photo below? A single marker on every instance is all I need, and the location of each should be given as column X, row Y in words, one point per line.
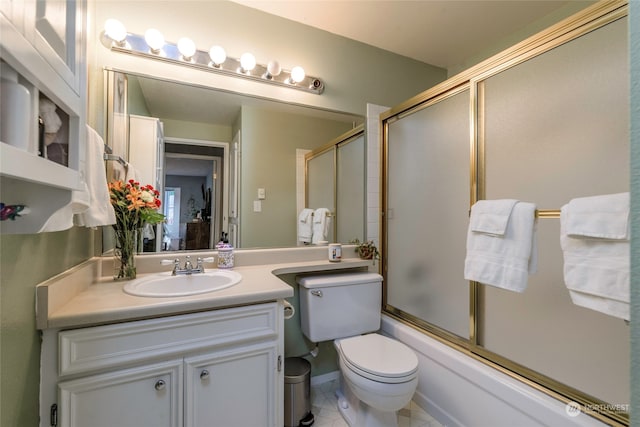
column 297, row 392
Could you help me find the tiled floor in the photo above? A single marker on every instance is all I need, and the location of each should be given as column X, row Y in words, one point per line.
column 324, row 406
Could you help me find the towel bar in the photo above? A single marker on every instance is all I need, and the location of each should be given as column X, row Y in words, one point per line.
column 547, row 213
column 329, row 214
column 543, row 213
column 115, row 158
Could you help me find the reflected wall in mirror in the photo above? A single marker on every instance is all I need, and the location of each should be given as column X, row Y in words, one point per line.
column 217, row 150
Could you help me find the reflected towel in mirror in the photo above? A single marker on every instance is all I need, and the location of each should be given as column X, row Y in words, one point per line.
column 305, row 225
column 321, row 224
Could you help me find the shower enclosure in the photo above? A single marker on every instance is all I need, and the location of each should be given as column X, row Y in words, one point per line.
column 543, row 122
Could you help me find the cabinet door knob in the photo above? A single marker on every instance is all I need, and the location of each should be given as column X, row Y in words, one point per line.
column 204, row 375
column 160, row 385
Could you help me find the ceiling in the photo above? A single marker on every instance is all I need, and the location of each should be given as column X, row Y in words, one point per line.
column 438, row 32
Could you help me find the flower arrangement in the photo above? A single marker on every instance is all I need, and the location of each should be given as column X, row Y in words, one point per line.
column 366, row 250
column 134, row 206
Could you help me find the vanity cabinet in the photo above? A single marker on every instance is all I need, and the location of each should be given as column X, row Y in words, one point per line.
column 44, row 42
column 221, row 367
column 142, row 396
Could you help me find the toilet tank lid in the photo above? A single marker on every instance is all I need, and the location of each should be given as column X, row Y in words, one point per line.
column 342, row 279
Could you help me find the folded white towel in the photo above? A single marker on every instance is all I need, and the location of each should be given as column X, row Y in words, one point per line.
column 305, row 225
column 321, row 225
column 491, row 216
column 504, row 261
column 596, row 270
column 100, row 212
column 605, row 217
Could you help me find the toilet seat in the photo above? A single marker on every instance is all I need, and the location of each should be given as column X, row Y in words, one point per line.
column 379, row 358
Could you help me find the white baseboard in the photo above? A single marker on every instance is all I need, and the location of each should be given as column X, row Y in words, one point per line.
column 325, row 378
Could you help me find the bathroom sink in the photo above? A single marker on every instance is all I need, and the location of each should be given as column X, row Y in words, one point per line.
column 165, row 285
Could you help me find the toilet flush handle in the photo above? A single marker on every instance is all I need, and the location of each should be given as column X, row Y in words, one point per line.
column 317, row 293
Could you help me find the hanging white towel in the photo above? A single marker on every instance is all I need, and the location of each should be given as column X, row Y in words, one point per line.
column 100, row 212
column 321, row 225
column 502, row 260
column 118, row 171
column 62, row 219
column 305, row 226
column 148, row 231
column 132, row 174
column 596, row 250
column 91, row 206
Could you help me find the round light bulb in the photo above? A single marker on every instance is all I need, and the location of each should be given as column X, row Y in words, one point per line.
column 187, row 47
column 274, row 68
column 154, row 39
column 217, row 55
column 115, row 30
column 297, row 74
column 247, row 61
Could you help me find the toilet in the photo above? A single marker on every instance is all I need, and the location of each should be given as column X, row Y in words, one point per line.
column 379, row 375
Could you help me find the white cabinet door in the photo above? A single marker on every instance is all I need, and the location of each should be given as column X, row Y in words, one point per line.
column 56, row 29
column 145, row 142
column 13, row 11
column 150, row 395
column 234, row 388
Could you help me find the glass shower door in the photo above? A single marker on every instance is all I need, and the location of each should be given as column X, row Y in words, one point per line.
column 426, row 217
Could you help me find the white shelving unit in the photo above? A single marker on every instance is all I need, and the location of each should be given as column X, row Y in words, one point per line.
column 44, row 42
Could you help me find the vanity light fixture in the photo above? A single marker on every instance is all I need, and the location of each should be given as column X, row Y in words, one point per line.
column 273, row 70
column 247, row 63
column 116, row 31
column 187, row 48
column 154, row 39
column 153, row 46
column 297, row 75
column 217, row 55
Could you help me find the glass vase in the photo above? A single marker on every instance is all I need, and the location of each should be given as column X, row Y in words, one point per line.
column 124, row 262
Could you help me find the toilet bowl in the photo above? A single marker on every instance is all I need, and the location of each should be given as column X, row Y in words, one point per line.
column 381, row 373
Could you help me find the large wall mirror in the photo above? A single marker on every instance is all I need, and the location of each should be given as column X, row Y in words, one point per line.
column 226, row 164
column 335, row 179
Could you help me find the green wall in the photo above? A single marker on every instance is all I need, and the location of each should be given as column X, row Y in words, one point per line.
column 570, row 8
column 269, row 142
column 25, row 261
column 193, row 130
column 135, row 100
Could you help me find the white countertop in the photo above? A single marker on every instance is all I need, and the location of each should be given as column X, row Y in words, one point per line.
column 80, row 297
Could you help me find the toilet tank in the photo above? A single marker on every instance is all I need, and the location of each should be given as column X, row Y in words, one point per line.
column 339, row 305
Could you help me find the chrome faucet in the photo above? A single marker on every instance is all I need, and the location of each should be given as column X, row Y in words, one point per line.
column 188, row 266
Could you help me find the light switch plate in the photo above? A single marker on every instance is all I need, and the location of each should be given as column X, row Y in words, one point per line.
column 262, row 194
column 257, row 206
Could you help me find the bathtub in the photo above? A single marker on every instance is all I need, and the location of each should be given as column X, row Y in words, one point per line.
column 458, row 390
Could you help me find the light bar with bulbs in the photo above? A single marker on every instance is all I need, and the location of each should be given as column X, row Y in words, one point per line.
column 152, row 45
